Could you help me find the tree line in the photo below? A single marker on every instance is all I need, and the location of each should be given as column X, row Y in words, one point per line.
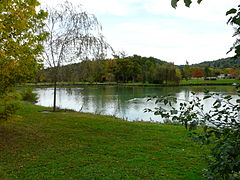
column 127, row 69
column 133, row 69
column 230, row 62
column 189, row 72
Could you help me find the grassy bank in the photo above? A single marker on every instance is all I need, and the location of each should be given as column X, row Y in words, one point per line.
column 71, row 145
column 181, row 83
column 213, row 82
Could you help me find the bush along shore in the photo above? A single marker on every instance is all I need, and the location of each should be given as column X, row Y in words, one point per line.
column 72, row 145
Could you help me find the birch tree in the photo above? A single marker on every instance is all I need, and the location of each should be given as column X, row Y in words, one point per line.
column 74, row 35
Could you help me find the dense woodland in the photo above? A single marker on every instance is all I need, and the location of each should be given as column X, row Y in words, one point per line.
column 229, row 62
column 139, row 69
column 129, row 69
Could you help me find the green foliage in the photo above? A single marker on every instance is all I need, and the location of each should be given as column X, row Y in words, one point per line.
column 28, row 94
column 220, row 125
column 8, row 106
column 230, row 62
column 234, row 20
column 186, row 2
column 202, row 82
column 20, row 37
column 187, row 72
column 224, row 158
column 129, row 69
column 10, row 109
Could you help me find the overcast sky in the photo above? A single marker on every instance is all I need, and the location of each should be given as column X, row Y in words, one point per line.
column 154, row 28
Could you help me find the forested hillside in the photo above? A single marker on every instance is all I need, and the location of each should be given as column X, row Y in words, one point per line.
column 230, row 62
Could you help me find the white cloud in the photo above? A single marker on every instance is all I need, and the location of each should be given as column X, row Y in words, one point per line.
column 152, row 39
column 108, row 7
column 208, row 10
column 154, row 28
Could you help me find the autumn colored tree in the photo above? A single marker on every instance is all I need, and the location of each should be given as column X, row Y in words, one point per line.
column 232, row 72
column 21, row 36
column 20, row 41
column 197, row 73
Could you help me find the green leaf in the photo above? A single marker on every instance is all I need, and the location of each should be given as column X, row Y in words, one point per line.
column 199, row 1
column 217, row 104
column 237, row 50
column 227, row 97
column 236, row 20
column 165, row 101
column 174, row 3
column 231, row 11
column 188, row 2
column 206, row 97
column 229, row 20
column 174, row 111
column 238, row 100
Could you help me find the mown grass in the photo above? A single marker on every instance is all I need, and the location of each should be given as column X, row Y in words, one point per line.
column 71, row 145
column 182, row 82
column 202, row 81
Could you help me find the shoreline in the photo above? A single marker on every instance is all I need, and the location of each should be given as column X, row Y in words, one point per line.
column 125, row 84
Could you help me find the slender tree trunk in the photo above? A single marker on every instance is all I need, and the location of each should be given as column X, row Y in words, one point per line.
column 54, row 95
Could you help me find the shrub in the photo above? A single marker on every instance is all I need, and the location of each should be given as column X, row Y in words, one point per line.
column 220, row 125
column 9, row 110
column 9, row 105
column 28, row 95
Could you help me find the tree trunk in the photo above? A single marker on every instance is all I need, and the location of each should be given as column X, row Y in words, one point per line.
column 54, row 95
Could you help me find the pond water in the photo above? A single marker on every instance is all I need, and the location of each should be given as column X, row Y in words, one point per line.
column 123, row 102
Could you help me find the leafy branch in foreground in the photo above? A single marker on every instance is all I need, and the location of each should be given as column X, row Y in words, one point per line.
column 186, row 2
column 219, row 126
column 234, row 20
column 21, row 36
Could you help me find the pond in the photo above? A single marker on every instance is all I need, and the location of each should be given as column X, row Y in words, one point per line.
column 120, row 101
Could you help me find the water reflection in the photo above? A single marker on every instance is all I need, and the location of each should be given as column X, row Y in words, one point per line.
column 124, row 102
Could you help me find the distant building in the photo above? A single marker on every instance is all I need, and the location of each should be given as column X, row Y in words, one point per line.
column 221, row 76
column 230, row 76
column 210, row 78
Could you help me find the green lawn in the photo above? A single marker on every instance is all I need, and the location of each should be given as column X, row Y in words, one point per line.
column 182, row 82
column 202, row 81
column 71, row 145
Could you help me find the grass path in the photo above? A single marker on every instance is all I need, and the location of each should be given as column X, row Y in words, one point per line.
column 71, row 145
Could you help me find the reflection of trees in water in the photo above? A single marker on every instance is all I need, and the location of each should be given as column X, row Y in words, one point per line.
column 200, row 89
column 97, row 99
column 126, row 102
column 69, row 90
column 61, row 93
column 116, row 98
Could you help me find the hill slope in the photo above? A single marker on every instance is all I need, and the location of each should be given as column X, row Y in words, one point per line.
column 229, row 62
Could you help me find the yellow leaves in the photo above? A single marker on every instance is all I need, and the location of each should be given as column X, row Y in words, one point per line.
column 20, row 41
